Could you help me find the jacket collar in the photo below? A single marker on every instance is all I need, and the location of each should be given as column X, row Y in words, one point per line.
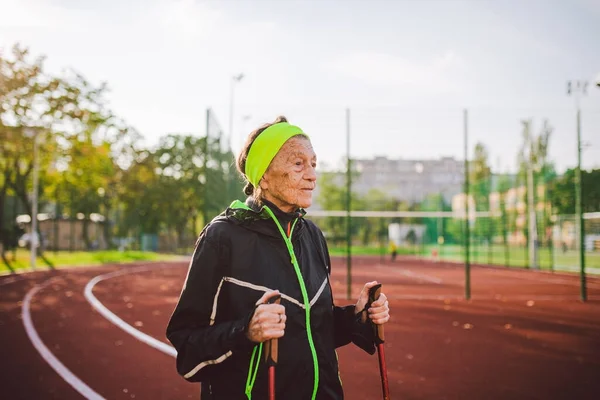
column 253, row 215
column 282, row 216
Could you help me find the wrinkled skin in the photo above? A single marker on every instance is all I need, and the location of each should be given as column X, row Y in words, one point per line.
column 268, row 321
column 289, row 183
column 291, row 177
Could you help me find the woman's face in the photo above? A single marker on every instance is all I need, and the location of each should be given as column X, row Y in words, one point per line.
column 290, row 179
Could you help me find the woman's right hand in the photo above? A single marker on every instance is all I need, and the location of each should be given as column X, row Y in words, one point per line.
column 268, row 321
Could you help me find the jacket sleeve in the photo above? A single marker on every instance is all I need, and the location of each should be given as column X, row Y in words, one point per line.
column 203, row 346
column 348, row 327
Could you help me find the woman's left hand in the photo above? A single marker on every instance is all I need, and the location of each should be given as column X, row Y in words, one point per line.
column 379, row 312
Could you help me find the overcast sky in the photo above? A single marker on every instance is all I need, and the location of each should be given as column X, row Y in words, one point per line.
column 406, row 69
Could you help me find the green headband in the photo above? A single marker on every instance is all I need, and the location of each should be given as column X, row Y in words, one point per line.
column 265, row 147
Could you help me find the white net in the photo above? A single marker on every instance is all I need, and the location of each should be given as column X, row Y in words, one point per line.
column 566, row 242
column 434, row 235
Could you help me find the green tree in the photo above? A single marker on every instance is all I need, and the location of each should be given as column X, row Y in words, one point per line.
column 168, row 188
column 332, row 197
column 23, row 92
column 372, row 229
column 189, row 181
column 481, row 187
column 91, row 162
column 55, row 109
column 435, row 227
column 533, row 153
column 89, row 178
column 504, row 185
column 563, row 192
column 140, row 197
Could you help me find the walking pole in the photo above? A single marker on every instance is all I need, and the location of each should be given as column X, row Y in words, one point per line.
column 271, row 354
column 374, row 293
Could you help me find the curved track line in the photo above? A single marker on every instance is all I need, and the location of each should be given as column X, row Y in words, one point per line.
column 410, row 274
column 10, row 280
column 422, row 277
column 50, row 358
column 112, row 317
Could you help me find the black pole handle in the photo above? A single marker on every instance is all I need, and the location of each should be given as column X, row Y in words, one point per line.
column 374, row 293
column 271, row 346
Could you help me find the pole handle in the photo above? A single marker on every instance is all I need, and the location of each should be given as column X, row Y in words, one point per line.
column 374, row 293
column 271, row 346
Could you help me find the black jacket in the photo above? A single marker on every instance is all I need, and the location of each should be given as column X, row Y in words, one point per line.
column 239, row 256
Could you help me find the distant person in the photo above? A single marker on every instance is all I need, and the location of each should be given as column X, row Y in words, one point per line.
column 250, row 253
column 393, row 250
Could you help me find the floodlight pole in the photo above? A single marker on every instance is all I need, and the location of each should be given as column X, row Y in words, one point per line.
column 34, row 134
column 234, row 79
column 533, row 238
column 348, row 206
column 34, row 202
column 467, row 229
column 206, row 174
column 579, row 211
column 579, row 88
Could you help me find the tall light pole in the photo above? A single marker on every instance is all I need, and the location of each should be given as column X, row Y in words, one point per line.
column 467, row 228
column 532, row 215
column 577, row 89
column 234, row 79
column 243, row 134
column 348, row 207
column 34, row 239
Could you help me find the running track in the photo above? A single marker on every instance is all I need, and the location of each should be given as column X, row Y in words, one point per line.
column 524, row 334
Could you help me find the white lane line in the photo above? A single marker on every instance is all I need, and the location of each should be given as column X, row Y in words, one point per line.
column 46, row 354
column 423, row 277
column 410, row 274
column 10, row 280
column 112, row 317
column 545, row 278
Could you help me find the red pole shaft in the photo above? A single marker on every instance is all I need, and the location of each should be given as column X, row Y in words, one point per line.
column 272, row 382
column 383, row 371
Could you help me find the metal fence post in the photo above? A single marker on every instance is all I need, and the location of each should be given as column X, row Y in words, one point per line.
column 467, row 235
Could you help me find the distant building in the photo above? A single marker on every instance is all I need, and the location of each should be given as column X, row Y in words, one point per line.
column 406, row 180
column 67, row 234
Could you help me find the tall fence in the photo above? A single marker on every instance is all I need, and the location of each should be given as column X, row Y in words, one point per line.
column 440, row 236
column 223, row 181
column 565, row 236
column 507, row 167
column 485, row 186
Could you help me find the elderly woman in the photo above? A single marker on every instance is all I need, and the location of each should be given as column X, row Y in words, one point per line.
column 250, row 253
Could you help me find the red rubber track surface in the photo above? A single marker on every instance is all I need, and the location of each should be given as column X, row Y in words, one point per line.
column 523, row 334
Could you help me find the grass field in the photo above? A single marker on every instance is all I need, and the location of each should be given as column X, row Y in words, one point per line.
column 80, row 258
column 496, row 255
column 492, row 255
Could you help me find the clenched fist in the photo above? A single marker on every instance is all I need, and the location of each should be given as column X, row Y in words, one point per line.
column 379, row 312
column 268, row 321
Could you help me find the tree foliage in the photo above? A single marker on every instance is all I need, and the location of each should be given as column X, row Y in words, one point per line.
column 563, row 192
column 66, row 116
column 93, row 164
